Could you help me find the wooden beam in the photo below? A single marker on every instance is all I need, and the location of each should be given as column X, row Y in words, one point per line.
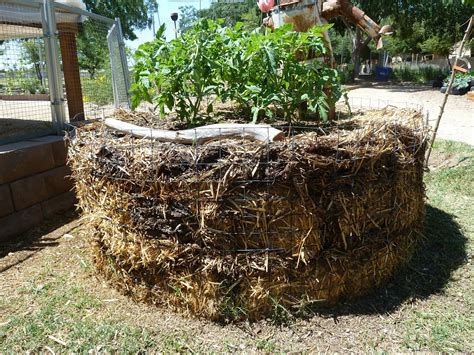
column 72, row 77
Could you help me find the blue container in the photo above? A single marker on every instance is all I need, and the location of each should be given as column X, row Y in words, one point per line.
column 382, row 73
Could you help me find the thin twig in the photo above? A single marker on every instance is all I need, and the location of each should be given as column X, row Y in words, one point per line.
column 451, row 80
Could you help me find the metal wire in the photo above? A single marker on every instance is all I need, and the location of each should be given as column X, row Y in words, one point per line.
column 24, row 88
column 91, row 78
column 243, row 189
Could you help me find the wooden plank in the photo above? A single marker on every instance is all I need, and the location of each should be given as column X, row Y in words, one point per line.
column 72, row 76
column 461, row 69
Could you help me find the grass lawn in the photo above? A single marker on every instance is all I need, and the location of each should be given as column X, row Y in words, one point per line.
column 52, row 300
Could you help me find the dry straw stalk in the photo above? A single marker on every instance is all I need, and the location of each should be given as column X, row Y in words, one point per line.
column 230, row 228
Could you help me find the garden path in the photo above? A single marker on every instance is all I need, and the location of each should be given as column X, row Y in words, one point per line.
column 458, row 119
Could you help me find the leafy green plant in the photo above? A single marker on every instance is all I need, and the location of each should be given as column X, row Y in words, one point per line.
column 256, row 70
column 180, row 73
column 32, row 86
column 462, row 80
column 267, row 69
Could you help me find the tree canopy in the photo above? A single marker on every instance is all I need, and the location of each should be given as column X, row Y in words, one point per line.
column 246, row 12
column 133, row 14
column 421, row 26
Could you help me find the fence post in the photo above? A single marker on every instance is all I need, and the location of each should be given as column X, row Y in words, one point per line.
column 123, row 58
column 50, row 32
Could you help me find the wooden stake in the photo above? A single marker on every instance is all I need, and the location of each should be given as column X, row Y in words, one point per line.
column 451, row 80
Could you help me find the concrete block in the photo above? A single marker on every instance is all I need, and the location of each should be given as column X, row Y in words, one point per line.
column 22, row 159
column 40, row 187
column 6, row 202
column 59, row 204
column 59, row 147
column 19, row 222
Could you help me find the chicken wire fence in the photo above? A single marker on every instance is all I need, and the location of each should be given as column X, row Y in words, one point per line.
column 58, row 64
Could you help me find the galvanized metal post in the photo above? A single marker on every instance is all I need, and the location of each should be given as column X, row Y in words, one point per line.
column 123, row 58
column 50, row 33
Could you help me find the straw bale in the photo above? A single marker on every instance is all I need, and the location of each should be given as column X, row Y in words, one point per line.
column 232, row 228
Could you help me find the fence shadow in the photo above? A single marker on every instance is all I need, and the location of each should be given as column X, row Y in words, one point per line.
column 17, row 129
column 441, row 252
column 29, row 243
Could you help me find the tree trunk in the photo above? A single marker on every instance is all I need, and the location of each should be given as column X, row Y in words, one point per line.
column 449, row 63
column 356, row 49
column 38, row 72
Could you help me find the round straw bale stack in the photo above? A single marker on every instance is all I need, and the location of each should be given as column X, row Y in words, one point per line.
column 230, row 229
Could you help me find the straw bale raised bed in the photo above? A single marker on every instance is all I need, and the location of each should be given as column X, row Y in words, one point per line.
column 234, row 228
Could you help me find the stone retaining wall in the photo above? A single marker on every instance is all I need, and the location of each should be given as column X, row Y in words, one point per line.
column 34, row 184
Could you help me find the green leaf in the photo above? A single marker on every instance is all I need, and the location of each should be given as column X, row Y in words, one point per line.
column 253, row 89
column 255, row 111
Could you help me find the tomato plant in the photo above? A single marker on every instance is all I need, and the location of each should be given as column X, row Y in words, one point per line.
column 256, row 70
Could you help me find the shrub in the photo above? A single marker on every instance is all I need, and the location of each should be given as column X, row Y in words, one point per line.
column 98, row 90
column 346, row 72
column 255, row 70
column 420, row 74
column 32, row 86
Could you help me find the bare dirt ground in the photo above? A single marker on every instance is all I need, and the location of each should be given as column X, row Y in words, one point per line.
column 458, row 119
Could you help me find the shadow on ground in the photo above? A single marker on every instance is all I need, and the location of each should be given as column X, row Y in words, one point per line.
column 392, row 86
column 442, row 251
column 409, row 88
column 26, row 245
column 14, row 130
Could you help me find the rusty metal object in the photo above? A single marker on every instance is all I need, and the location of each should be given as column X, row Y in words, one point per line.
column 301, row 13
column 304, row 14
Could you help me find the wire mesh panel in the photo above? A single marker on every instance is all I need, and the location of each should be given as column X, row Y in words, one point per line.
column 93, row 75
column 25, row 109
column 81, row 53
column 120, row 74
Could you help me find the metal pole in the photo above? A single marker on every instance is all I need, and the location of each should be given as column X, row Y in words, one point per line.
column 153, row 24
column 123, row 58
column 48, row 19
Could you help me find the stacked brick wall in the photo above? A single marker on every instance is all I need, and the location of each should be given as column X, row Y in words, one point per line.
column 34, row 184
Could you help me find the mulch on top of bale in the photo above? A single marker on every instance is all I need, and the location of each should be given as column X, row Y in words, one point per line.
column 231, row 229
